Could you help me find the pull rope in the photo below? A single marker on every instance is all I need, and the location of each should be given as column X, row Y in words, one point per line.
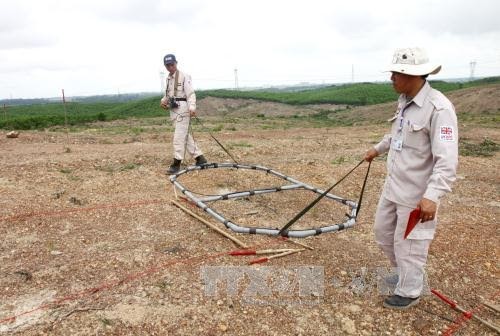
column 313, row 203
column 217, row 141
column 363, row 189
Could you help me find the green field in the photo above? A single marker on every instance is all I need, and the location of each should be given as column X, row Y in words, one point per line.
column 41, row 116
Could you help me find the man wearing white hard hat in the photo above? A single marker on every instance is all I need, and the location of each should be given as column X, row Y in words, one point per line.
column 421, row 167
column 180, row 98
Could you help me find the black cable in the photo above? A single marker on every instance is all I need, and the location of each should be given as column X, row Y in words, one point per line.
column 218, row 142
column 363, row 189
column 313, row 203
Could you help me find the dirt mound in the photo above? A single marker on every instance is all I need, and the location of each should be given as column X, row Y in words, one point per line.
column 476, row 100
column 212, row 106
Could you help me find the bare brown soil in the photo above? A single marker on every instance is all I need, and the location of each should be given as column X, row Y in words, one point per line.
column 91, row 245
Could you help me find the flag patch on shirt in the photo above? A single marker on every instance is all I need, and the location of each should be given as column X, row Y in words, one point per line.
column 446, row 133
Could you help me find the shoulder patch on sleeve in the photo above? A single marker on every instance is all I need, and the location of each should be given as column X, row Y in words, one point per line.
column 446, row 133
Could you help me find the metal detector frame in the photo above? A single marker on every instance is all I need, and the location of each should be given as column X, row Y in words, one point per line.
column 295, row 184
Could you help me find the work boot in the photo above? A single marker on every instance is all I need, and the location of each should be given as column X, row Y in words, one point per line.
column 174, row 167
column 400, row 302
column 200, row 160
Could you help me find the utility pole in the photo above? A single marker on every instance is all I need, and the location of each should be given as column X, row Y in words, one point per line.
column 472, row 69
column 236, row 87
column 352, row 73
column 162, row 81
column 66, row 149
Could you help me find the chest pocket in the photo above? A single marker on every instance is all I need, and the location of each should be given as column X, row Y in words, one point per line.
column 417, row 137
column 393, row 124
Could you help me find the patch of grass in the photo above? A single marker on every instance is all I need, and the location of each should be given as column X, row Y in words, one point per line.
column 129, row 166
column 107, row 169
column 65, row 170
column 51, row 246
column 240, row 144
column 217, row 128
column 105, row 321
column 269, row 126
column 486, row 148
column 338, row 160
column 137, row 130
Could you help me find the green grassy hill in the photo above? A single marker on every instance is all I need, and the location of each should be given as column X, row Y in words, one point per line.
column 359, row 94
column 40, row 116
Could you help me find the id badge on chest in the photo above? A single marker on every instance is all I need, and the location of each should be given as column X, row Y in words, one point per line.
column 397, row 144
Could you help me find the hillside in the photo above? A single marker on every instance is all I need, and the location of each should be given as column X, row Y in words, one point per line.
column 481, row 103
column 336, row 105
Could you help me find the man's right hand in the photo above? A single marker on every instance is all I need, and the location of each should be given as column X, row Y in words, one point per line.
column 371, row 154
column 163, row 104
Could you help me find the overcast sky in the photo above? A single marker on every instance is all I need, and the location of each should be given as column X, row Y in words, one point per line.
column 93, row 47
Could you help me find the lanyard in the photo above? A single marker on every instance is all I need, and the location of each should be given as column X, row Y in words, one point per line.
column 176, row 82
column 402, row 116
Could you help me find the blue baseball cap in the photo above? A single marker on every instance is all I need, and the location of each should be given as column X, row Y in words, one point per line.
column 169, row 59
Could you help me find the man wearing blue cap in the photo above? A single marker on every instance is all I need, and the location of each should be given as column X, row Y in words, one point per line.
column 180, row 99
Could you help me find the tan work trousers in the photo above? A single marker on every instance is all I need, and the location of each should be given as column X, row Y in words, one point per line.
column 409, row 255
column 183, row 140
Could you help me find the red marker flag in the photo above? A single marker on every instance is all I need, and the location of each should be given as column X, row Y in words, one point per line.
column 412, row 221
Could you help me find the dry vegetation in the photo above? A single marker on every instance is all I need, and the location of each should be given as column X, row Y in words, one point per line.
column 90, row 243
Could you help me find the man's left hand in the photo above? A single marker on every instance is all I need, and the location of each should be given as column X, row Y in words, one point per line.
column 192, row 113
column 428, row 209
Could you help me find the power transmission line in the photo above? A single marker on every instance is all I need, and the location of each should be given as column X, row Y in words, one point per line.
column 472, row 68
column 236, row 86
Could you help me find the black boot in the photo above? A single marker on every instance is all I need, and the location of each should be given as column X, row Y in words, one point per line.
column 400, row 302
column 174, row 167
column 200, row 160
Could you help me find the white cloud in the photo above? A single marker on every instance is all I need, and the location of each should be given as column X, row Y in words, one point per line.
column 96, row 47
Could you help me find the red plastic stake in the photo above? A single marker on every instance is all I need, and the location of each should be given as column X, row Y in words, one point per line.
column 467, row 314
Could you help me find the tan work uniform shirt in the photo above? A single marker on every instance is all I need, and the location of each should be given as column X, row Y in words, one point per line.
column 184, row 89
column 423, row 148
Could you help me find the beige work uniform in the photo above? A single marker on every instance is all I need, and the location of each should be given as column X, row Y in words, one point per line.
column 180, row 116
column 422, row 163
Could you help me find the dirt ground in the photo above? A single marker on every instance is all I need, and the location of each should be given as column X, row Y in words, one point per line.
column 91, row 244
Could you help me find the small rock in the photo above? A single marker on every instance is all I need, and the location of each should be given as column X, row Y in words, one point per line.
column 12, row 134
column 223, row 327
column 75, row 200
column 348, row 326
column 55, row 253
column 421, row 324
column 58, row 194
column 354, row 308
column 24, row 275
